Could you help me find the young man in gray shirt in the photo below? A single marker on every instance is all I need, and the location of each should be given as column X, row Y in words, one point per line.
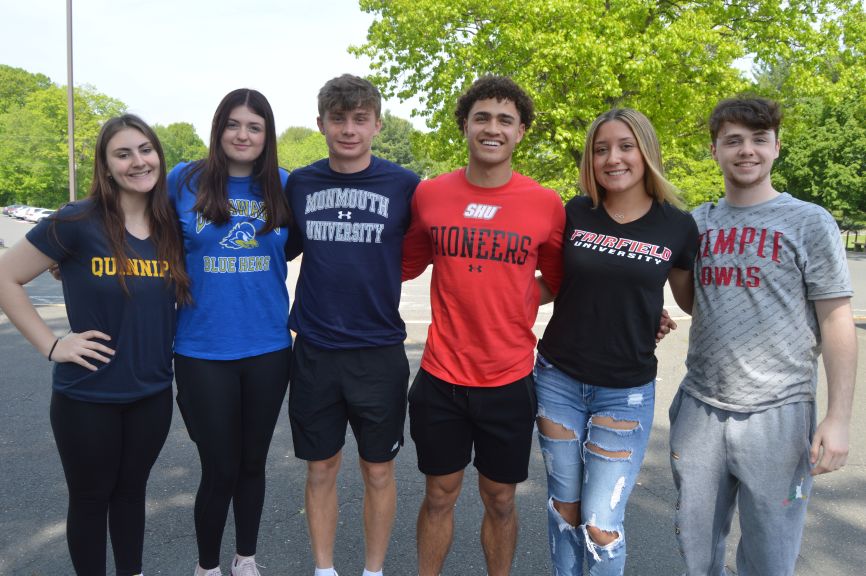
column 772, row 292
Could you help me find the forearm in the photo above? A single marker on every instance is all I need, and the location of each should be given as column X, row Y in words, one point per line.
column 839, row 348
column 17, row 307
column 18, row 266
column 546, row 294
column 830, row 444
column 417, row 253
column 683, row 288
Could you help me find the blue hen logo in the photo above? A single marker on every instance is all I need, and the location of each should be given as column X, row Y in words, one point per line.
column 243, row 235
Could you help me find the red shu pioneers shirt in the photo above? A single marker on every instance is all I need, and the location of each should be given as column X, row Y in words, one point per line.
column 485, row 245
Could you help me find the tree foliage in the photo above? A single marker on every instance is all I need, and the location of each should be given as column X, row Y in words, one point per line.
column 33, row 138
column 180, row 143
column 578, row 58
column 16, row 84
column 824, row 132
column 298, row 146
column 401, row 143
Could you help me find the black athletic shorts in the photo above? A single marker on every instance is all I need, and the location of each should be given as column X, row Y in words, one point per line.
column 365, row 387
column 446, row 420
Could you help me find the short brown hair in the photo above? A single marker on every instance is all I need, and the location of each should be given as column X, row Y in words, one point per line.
column 348, row 92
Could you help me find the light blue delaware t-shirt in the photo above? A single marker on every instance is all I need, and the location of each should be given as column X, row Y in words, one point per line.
column 240, row 301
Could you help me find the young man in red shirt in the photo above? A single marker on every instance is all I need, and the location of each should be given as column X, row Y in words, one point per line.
column 486, row 229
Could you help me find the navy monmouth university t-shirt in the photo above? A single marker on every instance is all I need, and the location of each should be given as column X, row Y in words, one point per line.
column 141, row 324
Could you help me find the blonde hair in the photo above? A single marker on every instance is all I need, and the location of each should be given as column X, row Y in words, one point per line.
column 655, row 183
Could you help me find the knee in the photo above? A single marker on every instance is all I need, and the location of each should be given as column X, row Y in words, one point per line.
column 499, row 503
column 254, row 464
column 568, row 511
column 96, row 497
column 378, row 475
column 601, row 537
column 130, row 491
column 323, row 472
column 440, row 498
column 220, row 473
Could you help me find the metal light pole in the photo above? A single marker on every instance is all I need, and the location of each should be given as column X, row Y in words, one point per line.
column 70, row 102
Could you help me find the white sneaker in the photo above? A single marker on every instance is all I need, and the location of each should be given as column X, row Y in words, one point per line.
column 212, row 572
column 246, row 567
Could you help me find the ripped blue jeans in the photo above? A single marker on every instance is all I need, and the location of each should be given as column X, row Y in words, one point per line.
column 578, row 472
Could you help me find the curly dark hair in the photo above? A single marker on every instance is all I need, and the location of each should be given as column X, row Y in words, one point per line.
column 756, row 113
column 501, row 88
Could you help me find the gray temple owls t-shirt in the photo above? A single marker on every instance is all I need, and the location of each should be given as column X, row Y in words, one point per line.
column 754, row 340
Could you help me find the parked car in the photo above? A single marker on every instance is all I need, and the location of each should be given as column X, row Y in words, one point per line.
column 30, row 210
column 19, row 212
column 38, row 214
column 7, row 210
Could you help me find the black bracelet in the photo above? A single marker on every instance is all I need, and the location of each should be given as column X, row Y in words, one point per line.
column 52, row 349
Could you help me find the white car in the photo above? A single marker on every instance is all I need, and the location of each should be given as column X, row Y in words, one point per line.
column 38, row 214
column 25, row 215
column 19, row 212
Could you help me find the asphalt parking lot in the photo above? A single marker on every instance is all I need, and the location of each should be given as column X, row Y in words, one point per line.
column 33, row 492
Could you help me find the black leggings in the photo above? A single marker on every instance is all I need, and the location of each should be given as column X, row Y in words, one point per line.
column 107, row 451
column 230, row 408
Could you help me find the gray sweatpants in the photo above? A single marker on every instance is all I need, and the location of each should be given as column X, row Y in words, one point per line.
column 758, row 461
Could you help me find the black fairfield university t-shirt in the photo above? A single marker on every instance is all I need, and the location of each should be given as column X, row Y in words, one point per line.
column 141, row 324
column 608, row 308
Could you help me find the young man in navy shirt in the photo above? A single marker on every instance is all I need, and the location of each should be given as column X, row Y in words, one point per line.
column 350, row 366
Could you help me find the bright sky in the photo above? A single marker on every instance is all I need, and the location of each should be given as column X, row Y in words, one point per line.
column 174, row 60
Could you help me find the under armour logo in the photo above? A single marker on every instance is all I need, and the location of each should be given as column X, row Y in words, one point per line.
column 474, row 268
column 346, row 215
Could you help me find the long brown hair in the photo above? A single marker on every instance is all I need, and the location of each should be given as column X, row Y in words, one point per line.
column 209, row 176
column 164, row 226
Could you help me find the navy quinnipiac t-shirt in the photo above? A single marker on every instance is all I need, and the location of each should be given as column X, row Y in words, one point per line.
column 141, row 324
column 351, row 228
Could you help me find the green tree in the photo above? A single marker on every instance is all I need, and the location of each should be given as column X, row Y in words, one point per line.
column 33, row 143
column 401, row 143
column 16, row 84
column 578, row 58
column 822, row 158
column 394, row 140
column 824, row 130
column 180, row 143
column 33, row 161
column 298, row 146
